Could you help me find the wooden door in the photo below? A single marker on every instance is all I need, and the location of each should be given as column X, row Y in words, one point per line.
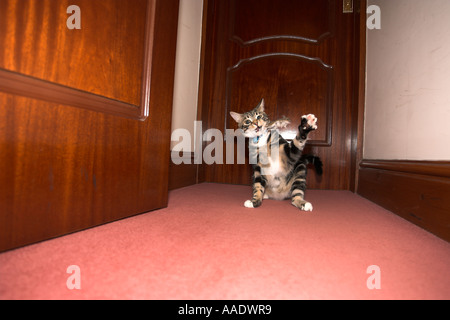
column 301, row 57
column 85, row 113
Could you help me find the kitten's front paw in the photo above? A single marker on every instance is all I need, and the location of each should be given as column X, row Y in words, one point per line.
column 248, row 204
column 309, row 122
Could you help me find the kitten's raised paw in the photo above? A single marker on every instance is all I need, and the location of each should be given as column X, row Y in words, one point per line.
column 302, row 205
column 248, row 204
column 309, row 122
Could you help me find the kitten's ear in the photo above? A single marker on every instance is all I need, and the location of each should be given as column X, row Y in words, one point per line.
column 260, row 106
column 236, row 116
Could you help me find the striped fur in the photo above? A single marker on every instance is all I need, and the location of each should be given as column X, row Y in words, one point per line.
column 279, row 168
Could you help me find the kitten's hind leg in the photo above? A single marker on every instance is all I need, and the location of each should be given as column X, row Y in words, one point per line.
column 254, row 203
column 259, row 187
column 301, row 203
column 298, row 189
column 248, row 204
column 258, row 194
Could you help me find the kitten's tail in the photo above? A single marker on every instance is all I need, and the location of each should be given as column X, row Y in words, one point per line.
column 309, row 158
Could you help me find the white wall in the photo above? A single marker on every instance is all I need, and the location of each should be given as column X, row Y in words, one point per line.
column 408, row 82
column 187, row 66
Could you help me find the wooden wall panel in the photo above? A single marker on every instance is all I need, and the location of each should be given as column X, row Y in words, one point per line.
column 183, row 174
column 418, row 191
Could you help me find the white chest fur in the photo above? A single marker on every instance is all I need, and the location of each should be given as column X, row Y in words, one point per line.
column 272, row 168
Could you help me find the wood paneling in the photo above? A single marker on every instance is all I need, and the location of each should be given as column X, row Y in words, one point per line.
column 98, row 67
column 430, row 168
column 100, row 58
column 299, row 65
column 357, row 139
column 415, row 190
column 250, row 26
column 65, row 168
column 183, row 174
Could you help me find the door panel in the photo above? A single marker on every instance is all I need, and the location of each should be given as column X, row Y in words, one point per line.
column 65, row 167
column 261, row 20
column 298, row 55
column 99, row 58
column 98, row 67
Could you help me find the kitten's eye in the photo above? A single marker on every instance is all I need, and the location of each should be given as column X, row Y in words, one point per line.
column 247, row 121
column 258, row 117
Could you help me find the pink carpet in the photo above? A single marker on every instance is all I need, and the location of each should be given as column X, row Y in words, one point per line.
column 206, row 245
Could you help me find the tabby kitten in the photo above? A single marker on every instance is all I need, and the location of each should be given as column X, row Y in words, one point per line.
column 279, row 168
